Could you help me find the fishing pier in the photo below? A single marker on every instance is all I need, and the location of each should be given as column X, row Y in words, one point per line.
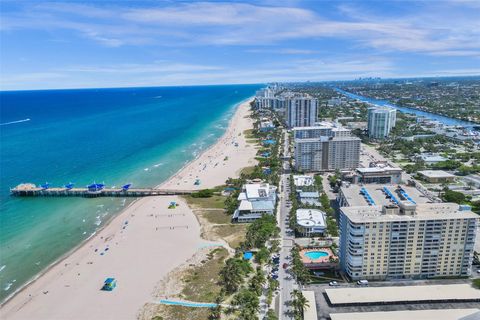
column 90, row 191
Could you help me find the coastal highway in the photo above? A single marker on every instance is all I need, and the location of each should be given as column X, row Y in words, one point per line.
column 287, row 282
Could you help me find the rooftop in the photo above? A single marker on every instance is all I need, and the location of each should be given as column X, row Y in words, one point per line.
column 369, row 295
column 378, row 169
column 311, row 218
column 436, row 174
column 356, row 197
column 310, row 312
column 442, row 314
column 424, row 211
column 256, row 190
column 302, row 181
column 313, row 194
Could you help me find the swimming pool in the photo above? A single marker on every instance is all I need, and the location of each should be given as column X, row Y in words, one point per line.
column 314, row 255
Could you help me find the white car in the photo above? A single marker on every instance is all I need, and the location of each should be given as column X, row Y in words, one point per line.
column 333, row 284
column 362, row 282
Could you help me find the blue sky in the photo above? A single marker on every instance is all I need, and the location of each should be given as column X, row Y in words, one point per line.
column 75, row 44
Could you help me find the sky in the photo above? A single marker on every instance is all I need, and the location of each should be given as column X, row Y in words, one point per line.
column 85, row 44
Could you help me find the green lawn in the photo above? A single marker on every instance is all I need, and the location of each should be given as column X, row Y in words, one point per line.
column 247, row 170
column 215, row 201
column 179, row 312
column 201, row 282
column 216, row 216
column 232, row 233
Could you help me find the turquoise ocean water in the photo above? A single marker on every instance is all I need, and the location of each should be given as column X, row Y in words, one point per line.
column 112, row 136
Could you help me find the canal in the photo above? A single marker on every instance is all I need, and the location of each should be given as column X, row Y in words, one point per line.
column 432, row 116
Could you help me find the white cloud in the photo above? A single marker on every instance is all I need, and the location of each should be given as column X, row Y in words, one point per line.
column 215, row 23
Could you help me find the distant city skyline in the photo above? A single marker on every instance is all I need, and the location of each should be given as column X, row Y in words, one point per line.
column 95, row 44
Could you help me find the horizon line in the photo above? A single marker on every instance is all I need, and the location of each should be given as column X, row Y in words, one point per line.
column 242, row 84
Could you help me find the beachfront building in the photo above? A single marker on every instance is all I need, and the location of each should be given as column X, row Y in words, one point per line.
column 310, row 222
column 327, row 153
column 266, row 125
column 301, row 111
column 256, row 199
column 381, row 120
column 325, row 147
column 269, row 98
column 406, row 240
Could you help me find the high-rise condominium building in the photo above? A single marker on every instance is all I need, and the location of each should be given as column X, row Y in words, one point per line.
column 407, row 240
column 381, row 120
column 301, row 111
column 325, row 149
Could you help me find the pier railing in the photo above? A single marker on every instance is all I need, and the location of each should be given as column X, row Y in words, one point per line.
column 26, row 190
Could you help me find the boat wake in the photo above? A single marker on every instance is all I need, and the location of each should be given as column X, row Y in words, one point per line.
column 14, row 122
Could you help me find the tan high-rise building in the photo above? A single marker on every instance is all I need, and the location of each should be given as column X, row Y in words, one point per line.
column 407, row 240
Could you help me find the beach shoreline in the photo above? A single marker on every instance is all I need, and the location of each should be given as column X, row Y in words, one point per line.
column 24, row 298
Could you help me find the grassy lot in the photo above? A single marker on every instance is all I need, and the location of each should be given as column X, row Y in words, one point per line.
column 249, row 134
column 216, row 201
column 179, row 312
column 247, row 170
column 216, row 216
column 201, row 282
column 232, row 233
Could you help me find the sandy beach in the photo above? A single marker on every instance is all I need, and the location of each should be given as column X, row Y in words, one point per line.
column 139, row 247
column 224, row 159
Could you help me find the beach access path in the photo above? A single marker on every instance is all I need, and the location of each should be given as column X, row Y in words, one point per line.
column 138, row 248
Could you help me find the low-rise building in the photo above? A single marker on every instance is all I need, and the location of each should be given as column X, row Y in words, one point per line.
column 430, row 158
column 406, row 241
column 302, row 181
column 311, row 222
column 436, row 176
column 266, row 125
column 309, row 198
column 256, row 199
column 383, row 175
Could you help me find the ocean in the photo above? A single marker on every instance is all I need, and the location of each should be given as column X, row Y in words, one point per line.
column 113, row 136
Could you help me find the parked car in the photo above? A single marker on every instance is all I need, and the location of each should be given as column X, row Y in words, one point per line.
column 362, row 282
column 333, row 284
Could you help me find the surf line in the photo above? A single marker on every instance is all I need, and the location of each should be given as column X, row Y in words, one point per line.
column 13, row 122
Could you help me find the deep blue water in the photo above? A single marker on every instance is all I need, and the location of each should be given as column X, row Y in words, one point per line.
column 432, row 116
column 116, row 136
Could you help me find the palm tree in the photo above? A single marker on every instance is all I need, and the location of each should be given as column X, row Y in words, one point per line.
column 257, row 282
column 232, row 275
column 299, row 303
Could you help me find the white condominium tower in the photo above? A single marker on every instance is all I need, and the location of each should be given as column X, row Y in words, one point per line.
column 301, row 111
column 407, row 241
column 381, row 120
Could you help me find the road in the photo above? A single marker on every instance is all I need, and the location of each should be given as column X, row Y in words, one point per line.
column 287, row 283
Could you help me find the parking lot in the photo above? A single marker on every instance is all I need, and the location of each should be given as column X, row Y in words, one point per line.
column 324, row 309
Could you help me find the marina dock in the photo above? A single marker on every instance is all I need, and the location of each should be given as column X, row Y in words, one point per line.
column 31, row 190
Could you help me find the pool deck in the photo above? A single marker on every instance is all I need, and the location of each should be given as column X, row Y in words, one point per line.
column 322, row 260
